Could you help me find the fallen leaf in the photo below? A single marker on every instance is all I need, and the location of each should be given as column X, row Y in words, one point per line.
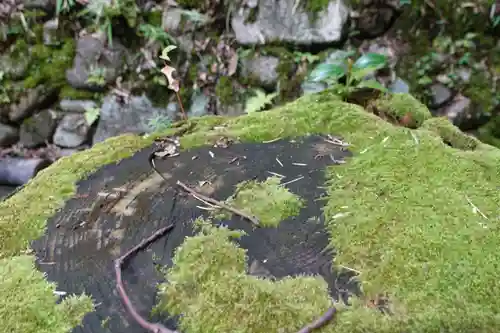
column 173, row 84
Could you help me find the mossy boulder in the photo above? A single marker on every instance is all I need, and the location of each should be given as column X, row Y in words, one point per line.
column 414, row 212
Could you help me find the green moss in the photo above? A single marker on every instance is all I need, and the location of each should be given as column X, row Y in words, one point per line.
column 48, row 65
column 288, row 80
column 28, row 302
column 316, row 6
column 268, row 201
column 194, row 292
column 191, row 4
column 451, row 134
column 69, row 92
column 225, row 91
column 399, row 105
column 412, row 231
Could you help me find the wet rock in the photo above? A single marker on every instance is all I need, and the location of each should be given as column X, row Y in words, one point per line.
column 440, row 95
column 72, row 131
column 73, row 105
column 38, row 129
column 283, row 21
column 132, row 116
column 27, row 104
column 399, row 86
column 261, row 70
column 199, row 104
column 96, row 61
column 8, row 135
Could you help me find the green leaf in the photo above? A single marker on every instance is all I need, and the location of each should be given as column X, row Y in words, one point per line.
column 324, row 72
column 373, row 61
column 373, row 85
column 166, row 50
column 91, row 115
column 259, row 101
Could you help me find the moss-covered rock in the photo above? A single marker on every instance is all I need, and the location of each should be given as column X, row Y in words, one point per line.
column 416, row 217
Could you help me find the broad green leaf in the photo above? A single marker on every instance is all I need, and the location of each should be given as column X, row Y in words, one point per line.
column 91, row 115
column 372, row 84
column 324, row 72
column 370, row 60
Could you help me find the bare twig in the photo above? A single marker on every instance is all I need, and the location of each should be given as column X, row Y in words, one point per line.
column 320, row 322
column 151, row 327
column 199, row 196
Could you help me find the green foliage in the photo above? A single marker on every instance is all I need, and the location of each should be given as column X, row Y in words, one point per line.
column 353, row 72
column 159, row 123
column 156, row 33
column 259, row 101
column 225, row 92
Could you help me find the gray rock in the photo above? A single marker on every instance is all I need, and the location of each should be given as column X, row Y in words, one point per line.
column 38, row 129
column 199, row 104
column 399, row 86
column 8, row 135
column 50, row 31
column 133, row 116
column 29, row 102
column 73, row 105
column 72, row 131
column 440, row 95
column 262, row 69
column 457, row 110
column 93, row 56
column 282, row 21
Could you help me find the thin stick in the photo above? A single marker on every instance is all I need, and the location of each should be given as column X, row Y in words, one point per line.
column 182, row 106
column 151, row 327
column 197, row 195
column 320, row 322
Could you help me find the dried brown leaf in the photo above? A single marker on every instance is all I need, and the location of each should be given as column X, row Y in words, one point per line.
column 173, row 83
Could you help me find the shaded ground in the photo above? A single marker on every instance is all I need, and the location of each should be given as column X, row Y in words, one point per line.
column 84, row 238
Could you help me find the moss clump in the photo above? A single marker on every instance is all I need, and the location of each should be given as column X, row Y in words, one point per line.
column 400, row 105
column 411, row 231
column 224, row 298
column 268, row 201
column 451, row 134
column 48, row 65
column 225, row 92
column 28, row 302
column 69, row 92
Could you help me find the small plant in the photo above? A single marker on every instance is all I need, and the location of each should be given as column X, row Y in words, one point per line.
column 154, row 33
column 352, row 73
column 305, row 57
column 159, row 123
column 259, row 101
column 168, row 71
column 97, row 76
column 91, row 115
